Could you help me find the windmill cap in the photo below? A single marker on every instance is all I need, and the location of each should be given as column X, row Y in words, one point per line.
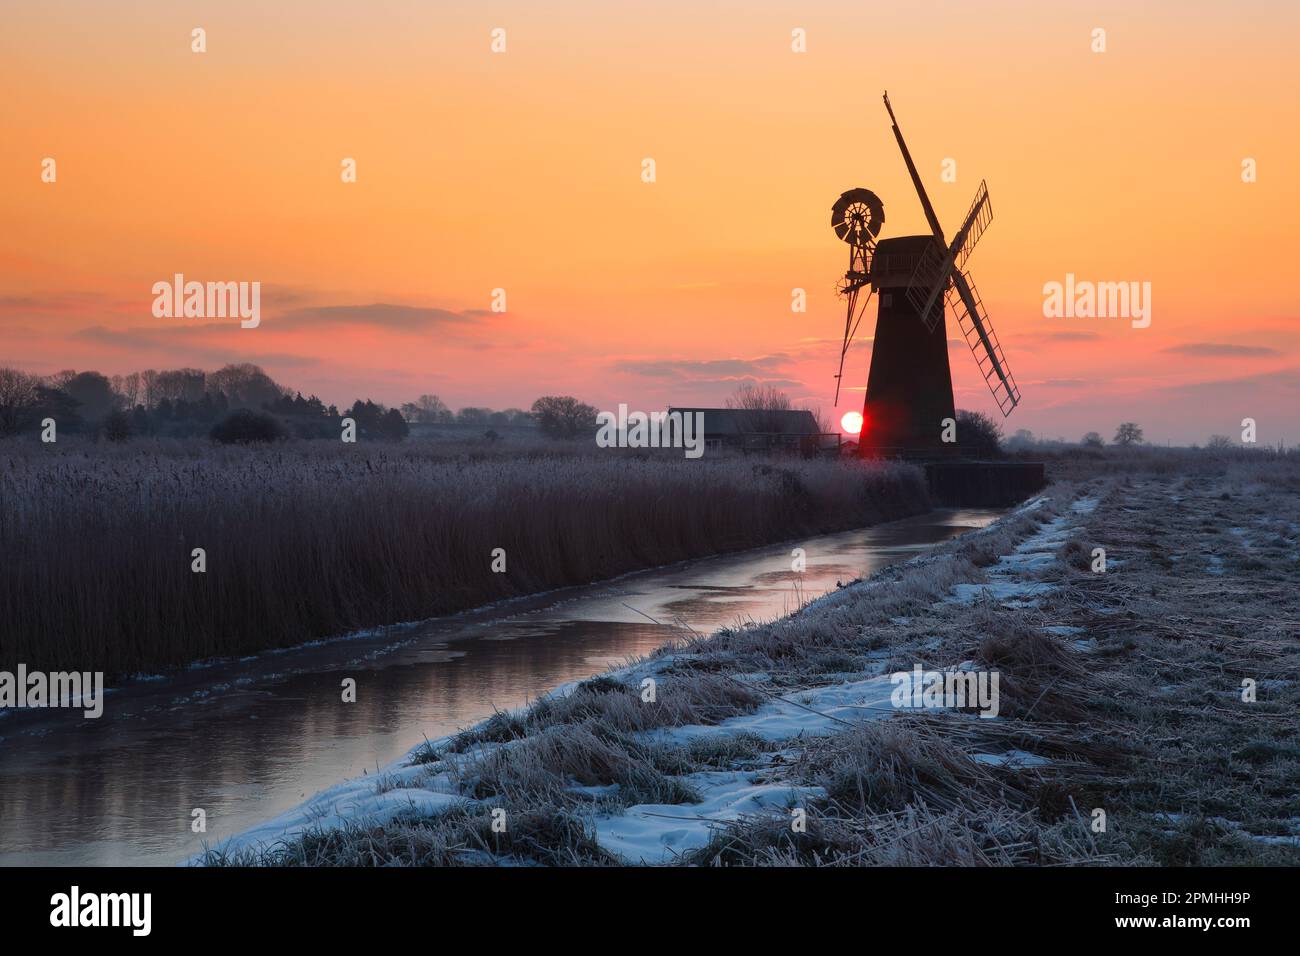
column 895, row 260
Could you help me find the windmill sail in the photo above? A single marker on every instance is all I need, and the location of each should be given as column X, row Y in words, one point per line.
column 930, row 217
column 977, row 220
column 983, row 341
column 935, row 269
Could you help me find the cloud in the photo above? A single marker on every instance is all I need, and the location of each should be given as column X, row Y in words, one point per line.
column 712, row 377
column 1283, row 382
column 62, row 303
column 1222, row 350
column 52, row 302
column 1065, row 335
column 716, row 370
column 170, row 340
column 383, row 315
column 282, row 297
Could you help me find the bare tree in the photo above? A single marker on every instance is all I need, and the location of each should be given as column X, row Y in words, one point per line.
column 128, row 387
column 563, row 416
column 18, row 396
column 1093, row 440
column 825, row 424
column 978, row 434
column 1129, row 433
column 149, row 388
column 177, row 384
column 756, row 403
column 61, row 379
column 428, row 409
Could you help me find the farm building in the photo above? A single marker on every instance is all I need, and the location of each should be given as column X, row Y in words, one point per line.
column 794, row 430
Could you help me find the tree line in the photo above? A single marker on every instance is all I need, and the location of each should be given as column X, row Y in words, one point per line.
column 242, row 403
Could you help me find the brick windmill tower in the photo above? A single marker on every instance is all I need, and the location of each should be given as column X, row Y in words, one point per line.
column 909, row 387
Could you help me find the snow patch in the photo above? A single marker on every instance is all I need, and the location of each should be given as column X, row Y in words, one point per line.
column 1012, row 759
column 656, row 832
column 1007, row 583
column 820, row 711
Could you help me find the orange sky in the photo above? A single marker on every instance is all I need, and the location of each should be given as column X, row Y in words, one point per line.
column 522, row 171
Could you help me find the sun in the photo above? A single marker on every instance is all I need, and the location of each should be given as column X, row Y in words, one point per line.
column 851, row 422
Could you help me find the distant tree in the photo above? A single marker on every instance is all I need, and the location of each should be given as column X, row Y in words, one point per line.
column 93, row 393
column 1129, row 433
column 141, row 422
column 118, row 425
column 473, row 416
column 367, row 415
column 206, row 410
column 759, row 398
column 428, row 410
column 491, row 435
column 756, row 403
column 1093, row 440
column 56, row 404
column 244, row 426
column 149, row 388
column 978, row 434
column 517, row 416
column 563, row 416
column 180, row 383
column 825, row 425
column 18, row 398
column 127, row 388
column 392, row 426
column 1023, row 438
column 245, row 386
column 60, row 379
column 1219, row 442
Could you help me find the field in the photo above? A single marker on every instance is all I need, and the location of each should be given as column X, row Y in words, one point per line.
column 308, row 540
column 1149, row 712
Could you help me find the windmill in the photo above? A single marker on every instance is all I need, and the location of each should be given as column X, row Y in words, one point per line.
column 909, row 386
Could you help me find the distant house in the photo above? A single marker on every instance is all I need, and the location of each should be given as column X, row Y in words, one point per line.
column 762, row 429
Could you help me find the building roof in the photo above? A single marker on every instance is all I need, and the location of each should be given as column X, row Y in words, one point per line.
column 722, row 422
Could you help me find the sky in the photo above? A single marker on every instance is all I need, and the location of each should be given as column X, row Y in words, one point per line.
column 522, row 171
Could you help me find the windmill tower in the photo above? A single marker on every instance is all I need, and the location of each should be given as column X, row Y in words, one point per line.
column 909, row 386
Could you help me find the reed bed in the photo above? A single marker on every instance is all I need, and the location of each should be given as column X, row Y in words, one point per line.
column 309, row 541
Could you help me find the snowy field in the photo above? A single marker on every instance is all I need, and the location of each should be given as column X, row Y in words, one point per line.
column 787, row 743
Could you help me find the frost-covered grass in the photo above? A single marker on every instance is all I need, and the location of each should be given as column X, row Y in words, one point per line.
column 312, row 540
column 777, row 744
